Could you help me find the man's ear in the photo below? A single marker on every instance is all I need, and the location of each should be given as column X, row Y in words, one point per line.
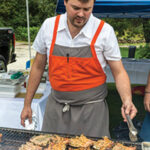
column 65, row 2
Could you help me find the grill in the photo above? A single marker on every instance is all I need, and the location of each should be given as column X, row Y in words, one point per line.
column 13, row 138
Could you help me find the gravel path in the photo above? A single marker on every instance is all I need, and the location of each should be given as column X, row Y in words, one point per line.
column 22, row 56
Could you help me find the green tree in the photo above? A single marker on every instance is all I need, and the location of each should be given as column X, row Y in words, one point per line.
column 128, row 26
column 146, row 29
column 13, row 12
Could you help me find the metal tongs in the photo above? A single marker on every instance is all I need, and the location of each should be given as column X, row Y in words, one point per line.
column 132, row 130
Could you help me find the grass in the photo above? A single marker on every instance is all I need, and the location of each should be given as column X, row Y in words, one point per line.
column 124, row 51
column 131, row 44
column 114, row 104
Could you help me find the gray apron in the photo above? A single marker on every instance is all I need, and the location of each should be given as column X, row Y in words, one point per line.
column 83, row 112
column 79, row 112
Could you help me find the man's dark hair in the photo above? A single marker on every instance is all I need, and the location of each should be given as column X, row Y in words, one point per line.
column 83, row 1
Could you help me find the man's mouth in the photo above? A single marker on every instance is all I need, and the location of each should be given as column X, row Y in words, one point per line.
column 79, row 20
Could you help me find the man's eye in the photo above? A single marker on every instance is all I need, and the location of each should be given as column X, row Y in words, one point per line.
column 86, row 9
column 76, row 8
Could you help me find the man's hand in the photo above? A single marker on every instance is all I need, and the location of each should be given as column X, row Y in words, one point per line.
column 128, row 108
column 26, row 114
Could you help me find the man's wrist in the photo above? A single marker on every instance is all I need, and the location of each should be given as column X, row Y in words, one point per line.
column 27, row 104
column 147, row 89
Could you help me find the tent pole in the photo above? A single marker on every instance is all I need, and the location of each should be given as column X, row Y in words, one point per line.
column 28, row 26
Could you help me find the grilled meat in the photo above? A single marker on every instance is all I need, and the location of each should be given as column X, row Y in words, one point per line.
column 30, row 146
column 88, row 148
column 56, row 142
column 120, row 146
column 56, row 146
column 81, row 142
column 59, row 139
column 103, row 144
column 41, row 140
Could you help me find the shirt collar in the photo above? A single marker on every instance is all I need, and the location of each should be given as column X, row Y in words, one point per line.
column 86, row 30
column 62, row 22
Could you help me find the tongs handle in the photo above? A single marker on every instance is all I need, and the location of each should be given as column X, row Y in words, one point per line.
column 130, row 125
column 129, row 121
column 132, row 130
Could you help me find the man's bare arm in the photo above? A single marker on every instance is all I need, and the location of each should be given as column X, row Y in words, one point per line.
column 35, row 77
column 123, row 86
column 33, row 83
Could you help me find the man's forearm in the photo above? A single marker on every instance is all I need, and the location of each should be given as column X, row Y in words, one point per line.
column 33, row 83
column 123, row 87
column 35, row 77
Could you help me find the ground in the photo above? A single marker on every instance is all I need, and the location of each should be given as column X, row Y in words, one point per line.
column 23, row 55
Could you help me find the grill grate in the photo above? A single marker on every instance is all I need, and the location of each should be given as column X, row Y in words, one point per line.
column 12, row 139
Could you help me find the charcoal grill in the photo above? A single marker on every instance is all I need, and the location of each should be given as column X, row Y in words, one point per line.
column 13, row 138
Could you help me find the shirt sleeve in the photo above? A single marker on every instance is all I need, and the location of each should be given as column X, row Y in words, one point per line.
column 111, row 47
column 39, row 44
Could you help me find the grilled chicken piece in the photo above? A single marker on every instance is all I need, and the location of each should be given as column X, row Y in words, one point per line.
column 57, row 143
column 59, row 139
column 88, row 148
column 41, row 140
column 80, row 142
column 1, row 137
column 56, row 146
column 120, row 146
column 103, row 144
column 30, row 146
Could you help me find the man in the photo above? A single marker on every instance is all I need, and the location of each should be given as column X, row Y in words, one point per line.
column 78, row 47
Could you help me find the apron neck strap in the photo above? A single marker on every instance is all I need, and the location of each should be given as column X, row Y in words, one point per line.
column 54, row 34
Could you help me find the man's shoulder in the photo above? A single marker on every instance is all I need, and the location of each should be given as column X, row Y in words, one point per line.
column 95, row 20
column 49, row 22
column 50, row 19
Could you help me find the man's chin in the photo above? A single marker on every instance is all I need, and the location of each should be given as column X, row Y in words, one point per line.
column 79, row 25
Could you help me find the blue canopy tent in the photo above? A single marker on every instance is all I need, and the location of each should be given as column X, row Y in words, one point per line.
column 116, row 8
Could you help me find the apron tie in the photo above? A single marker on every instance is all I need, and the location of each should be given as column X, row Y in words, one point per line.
column 67, row 106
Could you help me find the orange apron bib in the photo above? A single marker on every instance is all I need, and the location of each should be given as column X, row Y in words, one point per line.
column 71, row 73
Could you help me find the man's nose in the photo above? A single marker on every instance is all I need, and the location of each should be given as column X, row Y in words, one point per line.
column 81, row 13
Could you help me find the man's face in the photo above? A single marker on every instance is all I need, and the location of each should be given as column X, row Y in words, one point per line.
column 78, row 13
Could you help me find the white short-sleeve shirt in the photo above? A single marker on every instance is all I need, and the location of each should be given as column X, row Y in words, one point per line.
column 106, row 45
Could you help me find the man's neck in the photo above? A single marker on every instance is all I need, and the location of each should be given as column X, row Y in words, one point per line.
column 73, row 30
